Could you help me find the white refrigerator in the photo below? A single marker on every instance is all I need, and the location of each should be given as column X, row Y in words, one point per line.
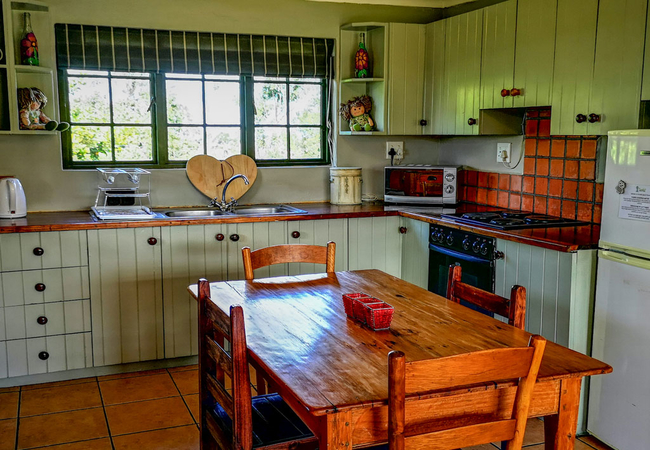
column 619, row 403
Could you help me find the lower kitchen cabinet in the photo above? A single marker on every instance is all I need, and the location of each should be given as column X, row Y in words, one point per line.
column 319, row 232
column 415, row 252
column 254, row 235
column 126, row 295
column 44, row 319
column 375, row 243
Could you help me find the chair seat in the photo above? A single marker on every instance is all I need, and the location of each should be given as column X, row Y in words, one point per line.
column 274, row 421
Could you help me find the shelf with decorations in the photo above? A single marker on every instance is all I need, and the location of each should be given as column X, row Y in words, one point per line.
column 374, row 37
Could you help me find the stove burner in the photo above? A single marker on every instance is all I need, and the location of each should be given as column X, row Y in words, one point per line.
column 515, row 214
column 481, row 216
column 540, row 219
column 507, row 222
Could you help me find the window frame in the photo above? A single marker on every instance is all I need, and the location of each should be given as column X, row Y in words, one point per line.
column 159, row 125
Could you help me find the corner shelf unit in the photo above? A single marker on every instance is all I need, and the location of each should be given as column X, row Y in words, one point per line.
column 14, row 75
column 349, row 86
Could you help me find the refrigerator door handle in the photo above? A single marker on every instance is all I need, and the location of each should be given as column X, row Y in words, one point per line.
column 624, row 259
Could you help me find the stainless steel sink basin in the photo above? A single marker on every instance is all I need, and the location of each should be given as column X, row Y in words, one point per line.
column 264, row 210
column 195, row 213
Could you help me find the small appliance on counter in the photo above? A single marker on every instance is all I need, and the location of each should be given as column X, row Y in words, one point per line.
column 123, row 194
column 421, row 185
column 345, row 185
column 13, row 204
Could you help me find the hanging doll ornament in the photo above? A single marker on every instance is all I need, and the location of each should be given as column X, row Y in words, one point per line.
column 31, row 102
column 357, row 113
column 361, row 59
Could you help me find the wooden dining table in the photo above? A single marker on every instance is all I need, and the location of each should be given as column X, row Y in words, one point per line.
column 333, row 371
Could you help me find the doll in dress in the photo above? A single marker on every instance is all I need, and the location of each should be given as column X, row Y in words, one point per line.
column 357, row 113
column 31, row 102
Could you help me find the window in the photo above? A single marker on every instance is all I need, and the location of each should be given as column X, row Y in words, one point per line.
column 162, row 120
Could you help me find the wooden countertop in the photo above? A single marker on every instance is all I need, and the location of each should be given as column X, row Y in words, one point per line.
column 564, row 239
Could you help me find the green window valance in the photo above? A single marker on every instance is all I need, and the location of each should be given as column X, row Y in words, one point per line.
column 90, row 47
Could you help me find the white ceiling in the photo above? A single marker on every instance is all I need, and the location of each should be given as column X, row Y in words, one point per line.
column 419, row 3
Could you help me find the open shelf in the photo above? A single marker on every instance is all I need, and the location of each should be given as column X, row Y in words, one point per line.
column 361, row 133
column 33, row 69
column 362, row 80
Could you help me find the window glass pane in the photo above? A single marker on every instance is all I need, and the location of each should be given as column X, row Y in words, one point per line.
column 133, row 144
column 281, row 79
column 91, row 143
column 222, row 103
column 183, row 75
column 271, row 143
column 131, row 99
column 184, row 142
column 100, row 73
column 305, row 104
column 270, row 103
column 184, row 102
column 222, row 77
column 88, row 100
column 224, row 142
column 305, row 80
column 130, row 74
column 305, row 143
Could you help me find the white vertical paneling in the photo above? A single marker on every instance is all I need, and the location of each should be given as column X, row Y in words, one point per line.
column 10, row 254
column 375, row 243
column 3, row 331
column 17, row 358
column 266, row 234
column 61, row 249
column 415, row 252
column 4, row 368
column 18, row 288
column 319, row 232
column 435, row 90
column 234, row 261
column 15, row 322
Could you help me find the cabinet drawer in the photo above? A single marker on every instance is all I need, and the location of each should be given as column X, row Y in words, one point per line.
column 43, row 286
column 45, row 319
column 64, row 352
column 24, row 251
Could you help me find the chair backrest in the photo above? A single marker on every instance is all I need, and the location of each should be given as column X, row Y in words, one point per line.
column 466, row 369
column 280, row 254
column 513, row 308
column 215, row 363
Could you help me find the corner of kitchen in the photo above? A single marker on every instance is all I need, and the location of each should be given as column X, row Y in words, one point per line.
column 314, row 224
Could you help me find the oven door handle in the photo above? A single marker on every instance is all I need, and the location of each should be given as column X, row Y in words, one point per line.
column 459, row 255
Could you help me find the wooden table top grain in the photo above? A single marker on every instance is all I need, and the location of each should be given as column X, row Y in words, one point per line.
column 298, row 332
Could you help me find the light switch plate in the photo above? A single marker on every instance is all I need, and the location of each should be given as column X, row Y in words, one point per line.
column 503, row 152
column 399, row 148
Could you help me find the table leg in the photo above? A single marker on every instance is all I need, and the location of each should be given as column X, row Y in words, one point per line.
column 336, row 431
column 560, row 429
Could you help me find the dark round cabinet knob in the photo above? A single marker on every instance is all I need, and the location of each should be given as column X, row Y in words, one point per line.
column 472, row 122
column 43, row 356
column 423, row 122
column 580, row 118
column 515, row 92
column 40, row 287
column 234, row 237
column 152, row 241
column 593, row 118
column 38, row 251
column 220, row 237
column 42, row 320
column 403, row 230
column 499, row 255
column 295, row 234
column 505, row 93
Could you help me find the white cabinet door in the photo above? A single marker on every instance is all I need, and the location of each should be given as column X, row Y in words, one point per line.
column 48, row 319
column 319, row 232
column 376, row 243
column 126, row 295
column 415, row 252
column 27, row 287
column 24, row 251
column 254, row 235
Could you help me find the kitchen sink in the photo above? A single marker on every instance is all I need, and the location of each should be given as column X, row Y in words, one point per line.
column 195, row 213
column 259, row 210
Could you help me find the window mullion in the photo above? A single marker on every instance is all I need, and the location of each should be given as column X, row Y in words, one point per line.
column 248, row 116
column 205, row 121
column 161, row 118
column 288, row 97
column 110, row 117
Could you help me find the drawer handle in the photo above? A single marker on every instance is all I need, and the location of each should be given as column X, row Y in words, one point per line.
column 515, row 92
column 295, row 234
column 403, row 230
column 472, row 121
column 505, row 93
column 42, row 320
column 152, row 241
column 40, row 287
column 581, row 118
column 234, row 237
column 219, row 237
column 43, row 356
column 423, row 122
column 38, row 251
column 593, row 118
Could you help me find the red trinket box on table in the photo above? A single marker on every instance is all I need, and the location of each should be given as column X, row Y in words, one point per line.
column 378, row 315
column 349, row 301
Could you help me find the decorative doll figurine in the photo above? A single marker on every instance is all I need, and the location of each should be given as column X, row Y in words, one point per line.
column 31, row 102
column 357, row 113
column 361, row 59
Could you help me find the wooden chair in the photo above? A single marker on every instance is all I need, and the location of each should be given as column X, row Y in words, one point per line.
column 235, row 419
column 279, row 254
column 513, row 308
column 404, row 379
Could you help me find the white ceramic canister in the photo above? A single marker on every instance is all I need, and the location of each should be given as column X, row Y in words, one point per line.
column 345, row 185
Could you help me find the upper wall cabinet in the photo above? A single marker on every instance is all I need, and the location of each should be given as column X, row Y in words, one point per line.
column 405, row 78
column 434, row 74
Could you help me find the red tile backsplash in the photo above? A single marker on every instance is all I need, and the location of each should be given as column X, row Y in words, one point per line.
column 559, row 176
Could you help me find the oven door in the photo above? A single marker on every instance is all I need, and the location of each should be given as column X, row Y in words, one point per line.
column 477, row 272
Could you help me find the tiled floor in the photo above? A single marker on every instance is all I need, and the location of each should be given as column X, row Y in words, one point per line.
column 155, row 409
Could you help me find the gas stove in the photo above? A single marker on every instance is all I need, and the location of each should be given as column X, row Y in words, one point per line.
column 512, row 220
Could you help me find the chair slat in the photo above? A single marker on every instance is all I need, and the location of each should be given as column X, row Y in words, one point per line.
column 467, row 369
column 218, row 318
column 223, row 441
column 280, row 254
column 220, row 395
column 219, row 356
column 483, row 299
column 471, row 435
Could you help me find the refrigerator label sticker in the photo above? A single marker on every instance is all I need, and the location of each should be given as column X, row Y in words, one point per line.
column 635, row 203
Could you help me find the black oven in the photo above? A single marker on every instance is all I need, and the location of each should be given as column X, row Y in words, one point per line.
column 476, row 255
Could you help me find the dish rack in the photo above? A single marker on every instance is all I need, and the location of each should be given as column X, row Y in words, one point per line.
column 123, row 194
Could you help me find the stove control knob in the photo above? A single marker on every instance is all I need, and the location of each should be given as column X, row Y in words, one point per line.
column 466, row 243
column 450, row 239
column 441, row 236
column 476, row 246
column 449, row 189
column 484, row 249
column 450, row 177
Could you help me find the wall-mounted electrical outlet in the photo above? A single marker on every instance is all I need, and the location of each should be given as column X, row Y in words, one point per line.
column 398, row 147
column 503, row 152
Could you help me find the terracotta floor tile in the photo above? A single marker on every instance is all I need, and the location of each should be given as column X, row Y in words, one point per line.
column 62, row 428
column 182, row 368
column 8, row 434
column 147, row 415
column 187, row 381
column 144, row 373
column 58, row 399
column 9, row 405
column 579, row 446
column 95, row 444
column 31, row 387
column 534, row 432
column 593, row 442
column 137, row 388
column 193, row 403
column 180, row 438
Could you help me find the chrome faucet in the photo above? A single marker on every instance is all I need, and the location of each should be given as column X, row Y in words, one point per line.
column 228, row 206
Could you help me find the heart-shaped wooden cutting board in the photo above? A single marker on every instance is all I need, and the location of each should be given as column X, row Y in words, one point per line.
column 209, row 175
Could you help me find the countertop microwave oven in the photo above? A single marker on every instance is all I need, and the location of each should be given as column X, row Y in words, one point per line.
column 421, row 185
